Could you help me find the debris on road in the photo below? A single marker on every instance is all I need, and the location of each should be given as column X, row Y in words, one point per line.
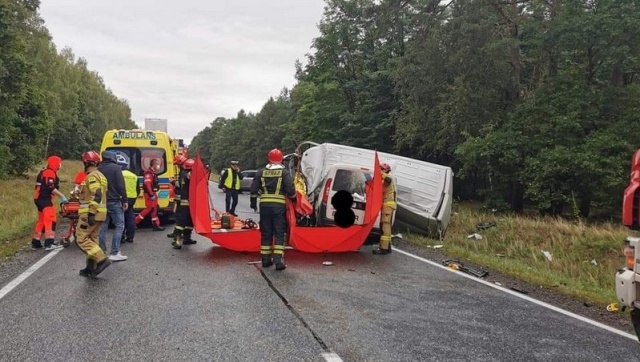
column 475, row 236
column 594, row 262
column 547, row 255
column 613, row 307
column 351, row 269
column 327, row 263
column 456, row 265
column 254, row 262
column 485, row 225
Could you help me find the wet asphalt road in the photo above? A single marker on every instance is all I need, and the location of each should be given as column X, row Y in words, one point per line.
column 203, row 303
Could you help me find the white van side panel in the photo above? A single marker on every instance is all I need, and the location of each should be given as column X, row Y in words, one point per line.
column 424, row 189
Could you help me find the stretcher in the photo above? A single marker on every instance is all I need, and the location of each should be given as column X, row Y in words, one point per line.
column 69, row 210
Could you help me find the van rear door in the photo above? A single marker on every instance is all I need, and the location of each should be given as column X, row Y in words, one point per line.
column 350, row 179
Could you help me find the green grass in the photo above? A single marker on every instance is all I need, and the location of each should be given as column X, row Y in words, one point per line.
column 514, row 247
column 18, row 211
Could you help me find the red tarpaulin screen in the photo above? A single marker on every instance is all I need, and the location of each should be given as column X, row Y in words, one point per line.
column 334, row 238
column 307, row 239
column 240, row 240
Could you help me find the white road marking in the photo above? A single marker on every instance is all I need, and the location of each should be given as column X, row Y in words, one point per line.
column 522, row 296
column 20, row 278
column 331, row 357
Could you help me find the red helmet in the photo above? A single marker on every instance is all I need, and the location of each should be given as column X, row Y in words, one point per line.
column 54, row 162
column 188, row 164
column 275, row 156
column 179, row 160
column 385, row 167
column 91, row 157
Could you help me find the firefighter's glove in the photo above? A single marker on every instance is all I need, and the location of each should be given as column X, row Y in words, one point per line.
column 91, row 220
column 63, row 199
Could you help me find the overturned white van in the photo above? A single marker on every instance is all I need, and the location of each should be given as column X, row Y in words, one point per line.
column 424, row 190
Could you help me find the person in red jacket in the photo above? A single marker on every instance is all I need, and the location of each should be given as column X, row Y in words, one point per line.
column 47, row 185
column 150, row 187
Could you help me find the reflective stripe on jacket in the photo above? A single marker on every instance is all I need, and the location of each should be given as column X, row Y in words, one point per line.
column 388, row 191
column 93, row 198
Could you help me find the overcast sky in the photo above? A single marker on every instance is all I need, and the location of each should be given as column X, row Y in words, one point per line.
column 188, row 61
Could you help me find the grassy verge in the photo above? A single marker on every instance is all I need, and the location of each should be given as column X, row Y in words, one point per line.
column 584, row 257
column 18, row 212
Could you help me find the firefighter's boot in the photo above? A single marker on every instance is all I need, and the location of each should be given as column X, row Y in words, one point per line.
column 172, row 235
column 266, row 261
column 279, row 261
column 187, row 237
column 91, row 266
column 381, row 251
column 177, row 242
column 100, row 267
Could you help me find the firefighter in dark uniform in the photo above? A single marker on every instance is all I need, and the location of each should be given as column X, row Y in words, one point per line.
column 274, row 183
column 184, row 223
column 178, row 161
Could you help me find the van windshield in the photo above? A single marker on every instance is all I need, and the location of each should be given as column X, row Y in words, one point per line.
column 352, row 181
column 140, row 158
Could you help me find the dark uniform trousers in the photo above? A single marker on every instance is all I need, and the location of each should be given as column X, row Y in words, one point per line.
column 272, row 224
column 184, row 223
column 274, row 185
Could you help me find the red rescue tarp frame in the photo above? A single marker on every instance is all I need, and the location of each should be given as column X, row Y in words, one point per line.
column 315, row 239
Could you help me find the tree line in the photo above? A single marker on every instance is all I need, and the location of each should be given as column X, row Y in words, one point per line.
column 533, row 103
column 50, row 102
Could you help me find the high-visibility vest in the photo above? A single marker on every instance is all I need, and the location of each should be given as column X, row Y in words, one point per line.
column 130, row 183
column 95, row 184
column 276, row 194
column 228, row 183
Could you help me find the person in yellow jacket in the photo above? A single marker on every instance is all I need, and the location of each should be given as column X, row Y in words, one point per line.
column 131, row 187
column 388, row 206
column 230, row 183
column 91, row 214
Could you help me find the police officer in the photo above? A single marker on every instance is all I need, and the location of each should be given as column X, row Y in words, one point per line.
column 230, row 183
column 388, row 206
column 274, row 183
column 184, row 223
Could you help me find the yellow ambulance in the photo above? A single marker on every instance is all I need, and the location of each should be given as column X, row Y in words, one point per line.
column 139, row 147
